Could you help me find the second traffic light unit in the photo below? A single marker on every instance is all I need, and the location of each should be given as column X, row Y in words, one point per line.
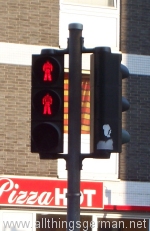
column 47, row 103
column 107, row 103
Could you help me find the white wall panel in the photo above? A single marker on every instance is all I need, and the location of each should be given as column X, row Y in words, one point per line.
column 127, row 193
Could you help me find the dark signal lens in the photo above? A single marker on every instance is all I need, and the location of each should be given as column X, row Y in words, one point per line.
column 45, row 137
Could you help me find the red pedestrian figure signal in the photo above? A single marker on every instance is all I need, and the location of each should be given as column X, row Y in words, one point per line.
column 47, row 68
column 47, row 101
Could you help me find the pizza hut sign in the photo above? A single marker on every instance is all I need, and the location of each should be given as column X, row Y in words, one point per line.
column 47, row 193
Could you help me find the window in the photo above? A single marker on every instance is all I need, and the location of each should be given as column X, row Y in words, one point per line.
column 106, row 3
column 100, row 20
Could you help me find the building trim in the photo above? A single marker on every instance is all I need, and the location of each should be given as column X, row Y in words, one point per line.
column 20, row 54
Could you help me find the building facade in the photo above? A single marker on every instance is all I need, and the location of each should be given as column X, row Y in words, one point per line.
column 24, row 27
column 135, row 43
column 32, row 191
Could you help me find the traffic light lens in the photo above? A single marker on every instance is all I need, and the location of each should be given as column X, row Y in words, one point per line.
column 46, row 137
column 46, row 102
column 46, row 70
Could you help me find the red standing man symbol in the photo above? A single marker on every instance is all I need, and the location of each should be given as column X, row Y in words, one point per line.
column 47, row 101
column 47, row 68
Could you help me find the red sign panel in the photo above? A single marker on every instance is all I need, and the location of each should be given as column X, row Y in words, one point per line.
column 47, row 193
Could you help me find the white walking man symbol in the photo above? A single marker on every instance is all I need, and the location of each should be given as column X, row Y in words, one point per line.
column 107, row 143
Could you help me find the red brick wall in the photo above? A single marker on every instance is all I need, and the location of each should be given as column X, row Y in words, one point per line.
column 26, row 22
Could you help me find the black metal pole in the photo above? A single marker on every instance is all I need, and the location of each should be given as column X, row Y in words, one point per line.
column 74, row 125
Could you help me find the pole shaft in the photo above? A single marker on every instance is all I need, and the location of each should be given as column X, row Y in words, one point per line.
column 74, row 124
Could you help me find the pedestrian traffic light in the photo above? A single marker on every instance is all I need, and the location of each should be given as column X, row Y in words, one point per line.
column 106, row 103
column 47, row 102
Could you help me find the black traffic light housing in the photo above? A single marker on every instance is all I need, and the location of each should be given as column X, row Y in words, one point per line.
column 125, row 104
column 47, row 103
column 106, row 103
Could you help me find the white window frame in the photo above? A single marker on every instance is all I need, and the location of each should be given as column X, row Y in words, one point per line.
column 79, row 2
